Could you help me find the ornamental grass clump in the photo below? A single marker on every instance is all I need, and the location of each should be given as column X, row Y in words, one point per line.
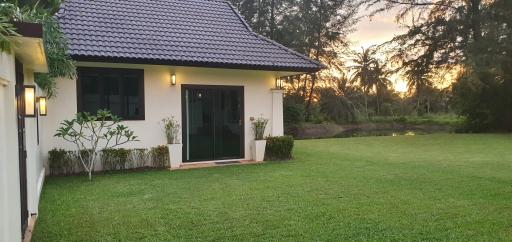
column 172, row 130
column 258, row 127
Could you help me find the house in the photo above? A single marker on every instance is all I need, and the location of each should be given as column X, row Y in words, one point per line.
column 145, row 60
column 21, row 164
column 196, row 60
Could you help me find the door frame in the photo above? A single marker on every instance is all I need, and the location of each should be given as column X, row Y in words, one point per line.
column 22, row 149
column 184, row 119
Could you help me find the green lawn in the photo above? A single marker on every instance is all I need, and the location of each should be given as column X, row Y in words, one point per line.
column 432, row 187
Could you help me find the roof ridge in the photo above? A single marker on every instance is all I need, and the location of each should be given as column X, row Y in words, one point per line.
column 268, row 39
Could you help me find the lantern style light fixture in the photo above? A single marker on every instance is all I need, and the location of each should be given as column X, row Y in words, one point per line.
column 279, row 83
column 30, row 100
column 43, row 111
column 173, row 79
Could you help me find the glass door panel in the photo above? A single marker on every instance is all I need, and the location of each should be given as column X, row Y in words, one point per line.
column 214, row 129
column 199, row 111
column 227, row 124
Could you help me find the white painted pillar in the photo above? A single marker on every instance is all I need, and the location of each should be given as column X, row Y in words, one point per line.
column 277, row 113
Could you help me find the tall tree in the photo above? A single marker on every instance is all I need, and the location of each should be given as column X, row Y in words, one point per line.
column 363, row 75
column 382, row 83
column 471, row 35
column 316, row 28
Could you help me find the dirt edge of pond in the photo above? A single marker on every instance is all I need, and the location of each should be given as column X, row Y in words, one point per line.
column 330, row 130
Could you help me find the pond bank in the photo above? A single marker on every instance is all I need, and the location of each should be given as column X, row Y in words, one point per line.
column 330, row 130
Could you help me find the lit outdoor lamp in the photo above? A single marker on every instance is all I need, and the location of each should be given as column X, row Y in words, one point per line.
column 279, row 83
column 173, row 79
column 43, row 111
column 30, row 100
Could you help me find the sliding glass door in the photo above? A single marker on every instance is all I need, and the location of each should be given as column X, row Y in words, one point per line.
column 213, row 127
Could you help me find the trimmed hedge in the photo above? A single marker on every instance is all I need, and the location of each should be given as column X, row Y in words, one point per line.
column 279, row 148
column 63, row 162
column 115, row 159
column 160, row 156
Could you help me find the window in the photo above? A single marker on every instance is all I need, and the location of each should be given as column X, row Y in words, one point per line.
column 118, row 90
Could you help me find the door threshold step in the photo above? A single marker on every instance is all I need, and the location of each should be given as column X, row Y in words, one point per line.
column 216, row 164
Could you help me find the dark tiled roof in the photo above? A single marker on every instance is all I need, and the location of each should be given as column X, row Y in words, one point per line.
column 172, row 32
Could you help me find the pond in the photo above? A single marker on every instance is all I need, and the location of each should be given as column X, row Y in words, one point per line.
column 379, row 132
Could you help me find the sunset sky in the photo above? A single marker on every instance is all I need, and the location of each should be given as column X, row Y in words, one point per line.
column 375, row 31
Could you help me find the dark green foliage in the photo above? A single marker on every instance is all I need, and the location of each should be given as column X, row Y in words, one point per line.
column 316, row 29
column 337, row 107
column 279, row 148
column 293, row 113
column 160, row 156
column 485, row 101
column 473, row 38
column 115, row 159
column 59, row 62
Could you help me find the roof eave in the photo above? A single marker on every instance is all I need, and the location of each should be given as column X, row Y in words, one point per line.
column 146, row 61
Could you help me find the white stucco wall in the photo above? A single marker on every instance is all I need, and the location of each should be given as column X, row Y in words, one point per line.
column 35, row 168
column 10, row 228
column 10, row 210
column 163, row 100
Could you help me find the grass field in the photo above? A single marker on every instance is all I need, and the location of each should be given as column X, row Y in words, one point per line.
column 429, row 188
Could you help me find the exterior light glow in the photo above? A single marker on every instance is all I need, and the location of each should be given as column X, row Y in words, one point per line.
column 279, row 83
column 30, row 100
column 173, row 79
column 43, row 111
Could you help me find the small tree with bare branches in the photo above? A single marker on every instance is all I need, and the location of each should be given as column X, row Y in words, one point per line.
column 93, row 133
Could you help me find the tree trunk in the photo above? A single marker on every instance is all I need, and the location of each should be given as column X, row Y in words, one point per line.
column 476, row 20
column 377, row 96
column 428, row 105
column 272, row 19
column 259, row 15
column 305, row 88
column 318, row 49
column 310, row 96
column 366, row 105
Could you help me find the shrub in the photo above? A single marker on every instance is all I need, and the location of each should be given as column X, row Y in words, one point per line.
column 160, row 156
column 279, row 148
column 115, row 159
column 139, row 157
column 60, row 162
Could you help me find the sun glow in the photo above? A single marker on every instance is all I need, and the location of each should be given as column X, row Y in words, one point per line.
column 400, row 86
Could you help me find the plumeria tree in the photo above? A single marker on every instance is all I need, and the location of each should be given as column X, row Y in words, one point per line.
column 93, row 133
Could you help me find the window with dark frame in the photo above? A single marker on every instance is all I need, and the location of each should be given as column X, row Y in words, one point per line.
column 119, row 90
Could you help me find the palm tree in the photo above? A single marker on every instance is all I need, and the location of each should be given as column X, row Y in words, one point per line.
column 363, row 72
column 382, row 82
column 418, row 82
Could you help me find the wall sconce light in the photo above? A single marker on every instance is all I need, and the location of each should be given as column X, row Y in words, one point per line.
column 43, row 111
column 279, row 83
column 30, row 100
column 173, row 79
